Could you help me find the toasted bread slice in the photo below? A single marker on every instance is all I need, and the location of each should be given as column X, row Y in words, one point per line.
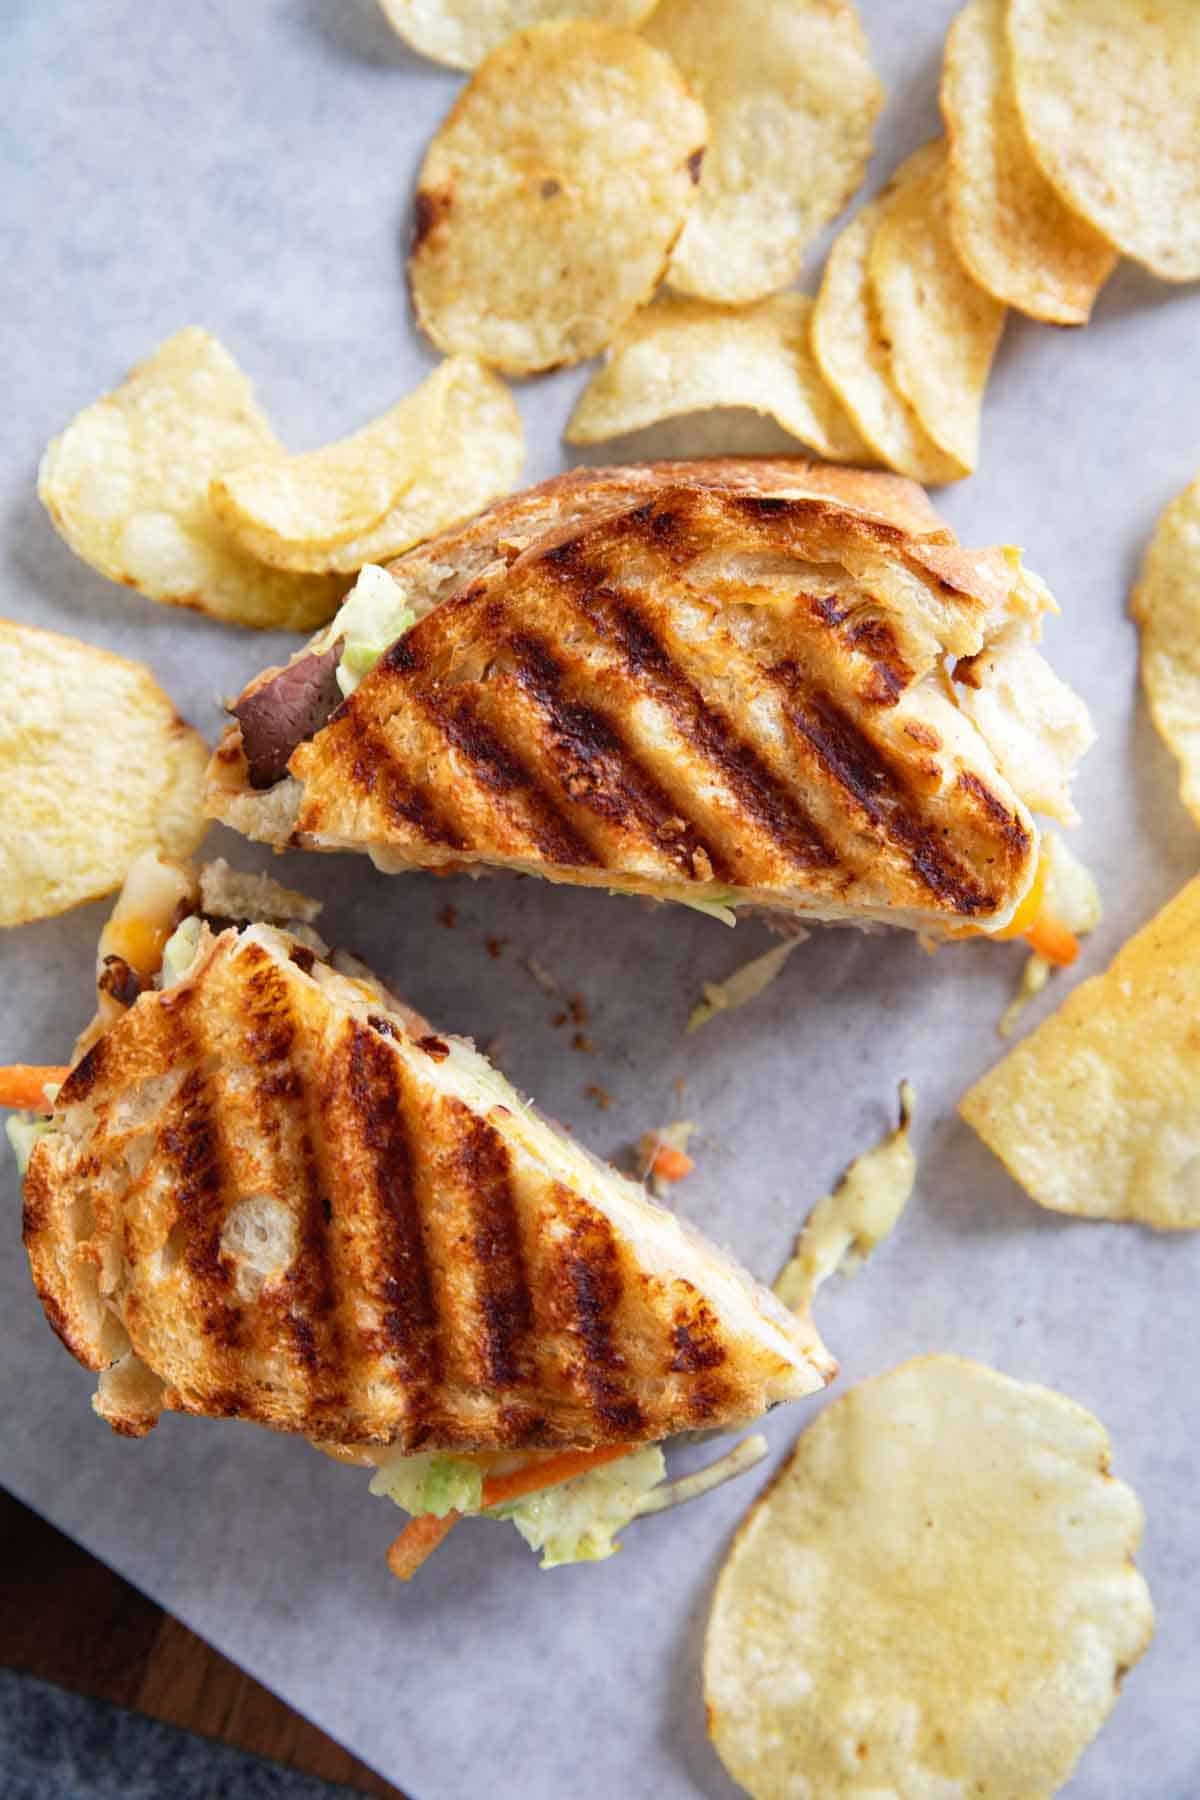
column 270, row 1192
column 715, row 695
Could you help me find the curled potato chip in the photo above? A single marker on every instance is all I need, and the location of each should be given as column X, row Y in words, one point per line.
column 1166, row 605
column 462, row 32
column 683, row 356
column 935, row 1597
column 1109, row 96
column 550, row 198
column 95, row 765
column 1012, row 232
column 942, row 327
column 792, row 100
column 126, row 484
column 440, row 454
column 854, row 359
column 1097, row 1112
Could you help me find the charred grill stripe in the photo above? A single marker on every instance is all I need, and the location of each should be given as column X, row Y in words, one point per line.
column 603, row 772
column 1009, row 826
column 589, row 1277
column 372, row 768
column 514, row 786
column 190, row 1140
column 390, row 1211
column 877, row 790
column 304, row 1305
column 503, row 1293
column 622, row 624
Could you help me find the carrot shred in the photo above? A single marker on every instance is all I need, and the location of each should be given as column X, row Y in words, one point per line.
column 419, row 1539
column 1052, row 940
column 670, row 1164
column 422, row 1535
column 21, row 1085
column 498, row 1489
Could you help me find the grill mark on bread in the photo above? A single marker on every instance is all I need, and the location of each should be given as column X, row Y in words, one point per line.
column 516, row 787
column 302, row 1302
column 590, row 1282
column 599, row 767
column 372, row 768
column 190, row 1140
column 1009, row 826
column 877, row 789
column 401, row 1273
column 620, row 621
column 503, row 1294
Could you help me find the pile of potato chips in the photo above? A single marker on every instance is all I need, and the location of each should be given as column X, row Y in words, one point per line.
column 708, row 150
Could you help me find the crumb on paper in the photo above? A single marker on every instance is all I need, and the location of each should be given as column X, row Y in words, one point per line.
column 663, row 1158
column 577, row 1007
column 448, row 916
column 541, row 975
column 598, row 1095
column 559, row 1019
column 581, row 1041
column 843, row 1228
column 496, row 947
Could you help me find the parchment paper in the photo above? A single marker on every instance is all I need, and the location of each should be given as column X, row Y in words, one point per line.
column 247, row 167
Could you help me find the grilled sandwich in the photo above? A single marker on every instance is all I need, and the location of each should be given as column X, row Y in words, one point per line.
column 744, row 684
column 269, row 1190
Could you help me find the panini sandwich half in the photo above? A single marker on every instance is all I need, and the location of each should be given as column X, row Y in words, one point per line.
column 266, row 1189
column 739, row 685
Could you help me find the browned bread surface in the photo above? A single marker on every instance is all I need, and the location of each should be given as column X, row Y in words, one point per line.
column 265, row 1199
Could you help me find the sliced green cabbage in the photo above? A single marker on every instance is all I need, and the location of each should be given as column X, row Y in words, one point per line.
column 23, row 1131
column 431, row 1483
column 370, row 619
column 578, row 1520
column 179, row 951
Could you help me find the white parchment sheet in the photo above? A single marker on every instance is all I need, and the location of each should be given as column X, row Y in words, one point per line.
column 246, row 165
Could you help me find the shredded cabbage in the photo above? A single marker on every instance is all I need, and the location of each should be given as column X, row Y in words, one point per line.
column 369, row 621
column 577, row 1521
column 431, row 1483
column 179, row 951
column 23, row 1132
column 745, row 984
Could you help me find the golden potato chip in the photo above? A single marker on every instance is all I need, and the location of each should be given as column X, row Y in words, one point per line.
column 439, row 455
column 462, row 32
column 126, row 485
column 854, row 359
column 685, row 356
column 1097, row 1112
column 1166, row 605
column 550, row 198
column 942, row 327
column 792, row 100
column 96, row 766
column 935, row 1597
column 1109, row 95
column 1012, row 232
column 844, row 1227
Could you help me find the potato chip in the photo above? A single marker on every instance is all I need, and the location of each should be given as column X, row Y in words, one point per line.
column 1097, row 1112
column 685, row 356
column 935, row 1597
column 1012, row 232
column 1109, row 96
column 943, row 329
column 552, row 194
column 439, row 455
column 854, row 359
column 1166, row 605
column 126, row 485
column 462, row 32
column 843, row 1228
column 96, row 766
column 792, row 101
